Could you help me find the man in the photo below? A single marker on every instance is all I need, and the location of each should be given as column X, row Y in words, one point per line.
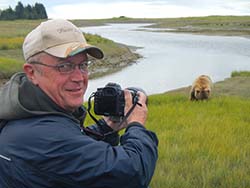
column 42, row 142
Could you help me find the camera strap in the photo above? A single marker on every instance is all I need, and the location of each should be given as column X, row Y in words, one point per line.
column 135, row 102
column 89, row 108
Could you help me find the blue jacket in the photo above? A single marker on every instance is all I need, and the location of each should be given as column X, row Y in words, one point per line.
column 51, row 150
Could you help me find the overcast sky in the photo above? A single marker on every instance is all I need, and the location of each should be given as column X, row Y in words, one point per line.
column 88, row 9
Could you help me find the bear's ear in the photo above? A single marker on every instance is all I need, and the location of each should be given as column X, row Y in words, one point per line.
column 192, row 96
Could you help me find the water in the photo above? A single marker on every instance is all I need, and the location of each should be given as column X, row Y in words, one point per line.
column 172, row 60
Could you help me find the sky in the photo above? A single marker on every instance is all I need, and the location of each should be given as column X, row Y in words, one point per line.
column 94, row 9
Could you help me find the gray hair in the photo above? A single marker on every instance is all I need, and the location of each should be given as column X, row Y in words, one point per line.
column 37, row 58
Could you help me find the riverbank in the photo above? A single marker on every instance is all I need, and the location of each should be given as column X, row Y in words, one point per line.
column 111, row 63
column 209, row 25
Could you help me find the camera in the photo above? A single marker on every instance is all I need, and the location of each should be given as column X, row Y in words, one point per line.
column 110, row 101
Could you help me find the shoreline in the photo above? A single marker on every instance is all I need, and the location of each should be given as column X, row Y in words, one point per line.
column 111, row 64
column 198, row 32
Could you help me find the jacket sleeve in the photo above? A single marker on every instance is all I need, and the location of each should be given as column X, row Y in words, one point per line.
column 140, row 146
column 81, row 161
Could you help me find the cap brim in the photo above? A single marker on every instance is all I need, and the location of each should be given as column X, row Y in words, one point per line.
column 71, row 49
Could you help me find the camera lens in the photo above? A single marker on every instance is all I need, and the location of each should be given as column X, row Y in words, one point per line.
column 134, row 90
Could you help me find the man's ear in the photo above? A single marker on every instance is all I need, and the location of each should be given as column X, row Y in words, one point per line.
column 30, row 72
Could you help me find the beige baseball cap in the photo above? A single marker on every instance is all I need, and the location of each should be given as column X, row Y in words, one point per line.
column 59, row 38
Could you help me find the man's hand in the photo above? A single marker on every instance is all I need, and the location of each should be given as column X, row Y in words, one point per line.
column 139, row 114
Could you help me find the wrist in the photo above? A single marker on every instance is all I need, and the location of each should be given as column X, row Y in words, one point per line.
column 135, row 124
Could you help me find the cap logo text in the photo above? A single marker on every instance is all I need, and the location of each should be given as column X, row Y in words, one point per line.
column 63, row 30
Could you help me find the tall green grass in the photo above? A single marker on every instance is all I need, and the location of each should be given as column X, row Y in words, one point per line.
column 201, row 144
column 108, row 46
column 11, row 43
column 9, row 66
column 17, row 28
column 240, row 73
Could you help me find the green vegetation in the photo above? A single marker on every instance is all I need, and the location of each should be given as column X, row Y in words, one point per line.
column 240, row 73
column 202, row 144
column 24, row 12
column 8, row 67
column 208, row 21
column 11, row 43
column 17, row 28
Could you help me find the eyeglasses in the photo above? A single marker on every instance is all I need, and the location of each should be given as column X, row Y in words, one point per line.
column 67, row 67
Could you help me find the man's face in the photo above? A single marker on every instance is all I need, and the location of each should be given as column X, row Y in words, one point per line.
column 65, row 89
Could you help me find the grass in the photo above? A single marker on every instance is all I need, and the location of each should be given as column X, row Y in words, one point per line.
column 11, row 43
column 240, row 73
column 202, row 144
column 17, row 28
column 8, row 67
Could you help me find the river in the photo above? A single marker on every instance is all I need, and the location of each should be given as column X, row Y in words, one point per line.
column 172, row 60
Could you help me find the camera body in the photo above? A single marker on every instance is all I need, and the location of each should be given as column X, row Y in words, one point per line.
column 109, row 101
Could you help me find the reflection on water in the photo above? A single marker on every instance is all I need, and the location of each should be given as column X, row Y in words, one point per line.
column 172, row 60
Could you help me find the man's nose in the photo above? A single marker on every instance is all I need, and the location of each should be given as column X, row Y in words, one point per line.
column 77, row 74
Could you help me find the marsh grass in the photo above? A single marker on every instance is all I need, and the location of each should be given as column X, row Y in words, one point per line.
column 240, row 73
column 11, row 43
column 209, row 25
column 17, row 28
column 8, row 67
column 202, row 144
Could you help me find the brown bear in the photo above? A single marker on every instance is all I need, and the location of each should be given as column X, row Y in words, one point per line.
column 201, row 88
